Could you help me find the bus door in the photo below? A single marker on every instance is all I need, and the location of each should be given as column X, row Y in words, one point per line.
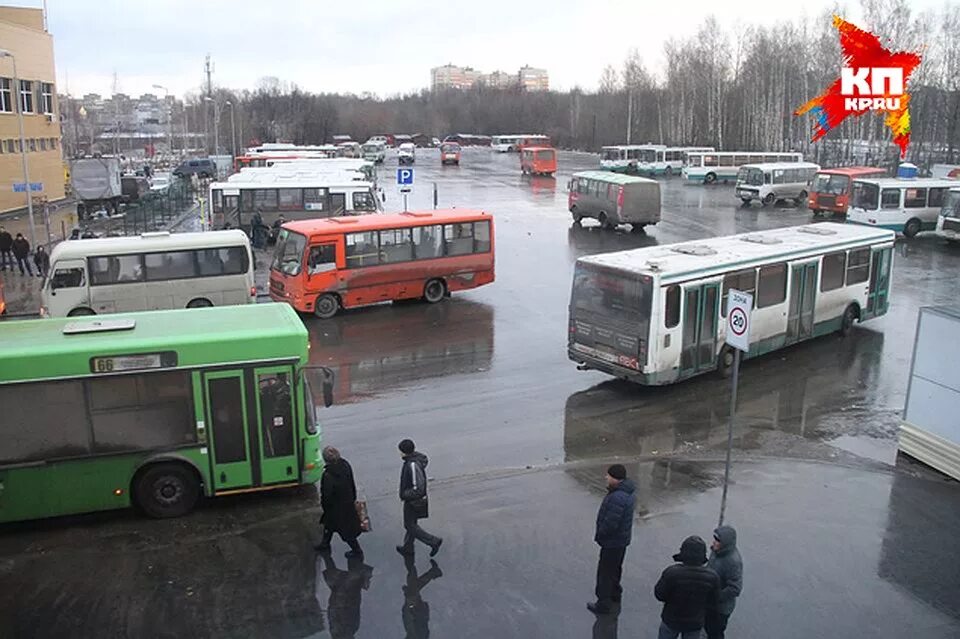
column 277, row 433
column 338, row 204
column 879, row 291
column 228, row 426
column 803, row 297
column 698, row 348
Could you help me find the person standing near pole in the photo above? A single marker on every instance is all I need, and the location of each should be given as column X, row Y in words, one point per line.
column 42, row 260
column 413, row 494
column 6, row 249
column 687, row 589
column 726, row 562
column 614, row 531
column 21, row 251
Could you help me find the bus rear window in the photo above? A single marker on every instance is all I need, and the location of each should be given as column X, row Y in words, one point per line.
column 617, row 296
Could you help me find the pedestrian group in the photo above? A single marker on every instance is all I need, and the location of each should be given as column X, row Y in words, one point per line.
column 16, row 250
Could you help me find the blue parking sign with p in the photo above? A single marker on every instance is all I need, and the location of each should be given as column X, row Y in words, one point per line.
column 405, row 177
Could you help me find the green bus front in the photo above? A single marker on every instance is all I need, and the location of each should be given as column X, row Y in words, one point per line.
column 154, row 409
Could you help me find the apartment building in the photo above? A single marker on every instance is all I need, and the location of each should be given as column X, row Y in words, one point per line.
column 451, row 76
column 533, row 79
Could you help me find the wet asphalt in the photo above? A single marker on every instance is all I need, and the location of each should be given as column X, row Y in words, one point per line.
column 840, row 537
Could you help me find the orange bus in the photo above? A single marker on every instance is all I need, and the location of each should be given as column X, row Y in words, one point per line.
column 831, row 188
column 527, row 141
column 538, row 160
column 449, row 153
column 323, row 265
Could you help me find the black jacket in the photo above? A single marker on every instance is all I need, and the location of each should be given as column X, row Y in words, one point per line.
column 413, row 482
column 6, row 241
column 615, row 517
column 686, row 592
column 728, row 565
column 42, row 260
column 21, row 247
column 338, row 496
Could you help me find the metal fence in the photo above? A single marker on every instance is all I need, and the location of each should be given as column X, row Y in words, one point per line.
column 154, row 211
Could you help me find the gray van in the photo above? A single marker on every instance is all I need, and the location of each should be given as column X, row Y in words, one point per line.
column 614, row 199
column 201, row 167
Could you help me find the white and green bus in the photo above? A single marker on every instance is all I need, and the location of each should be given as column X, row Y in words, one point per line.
column 655, row 315
column 666, row 161
column 905, row 205
column 624, row 158
column 723, row 166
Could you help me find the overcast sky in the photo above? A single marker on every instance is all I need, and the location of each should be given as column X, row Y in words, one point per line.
column 381, row 46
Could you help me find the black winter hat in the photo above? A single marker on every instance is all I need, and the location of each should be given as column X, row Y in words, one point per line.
column 617, row 471
column 693, row 552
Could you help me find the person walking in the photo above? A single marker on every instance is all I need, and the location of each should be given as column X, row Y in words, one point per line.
column 614, row 531
column 338, row 497
column 6, row 245
column 725, row 560
column 42, row 261
column 21, row 251
column 413, row 494
column 686, row 589
column 258, row 230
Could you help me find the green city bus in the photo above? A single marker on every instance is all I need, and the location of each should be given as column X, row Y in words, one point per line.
column 154, row 409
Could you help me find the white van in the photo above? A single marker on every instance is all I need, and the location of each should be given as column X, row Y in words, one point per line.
column 374, row 151
column 150, row 272
column 769, row 182
column 406, row 153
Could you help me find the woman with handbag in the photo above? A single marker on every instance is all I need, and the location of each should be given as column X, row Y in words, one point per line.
column 338, row 497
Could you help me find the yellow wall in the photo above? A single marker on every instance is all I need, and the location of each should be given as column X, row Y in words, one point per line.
column 21, row 32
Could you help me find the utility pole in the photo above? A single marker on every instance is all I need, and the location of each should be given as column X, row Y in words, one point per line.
column 206, row 119
column 629, row 114
column 116, row 114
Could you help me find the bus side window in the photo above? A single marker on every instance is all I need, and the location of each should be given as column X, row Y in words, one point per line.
column 915, row 198
column 671, row 311
column 66, row 278
column 322, row 258
column 890, row 199
column 935, row 198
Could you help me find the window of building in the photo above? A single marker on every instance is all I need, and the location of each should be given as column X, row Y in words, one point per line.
column 6, row 95
column 26, row 96
column 46, row 98
column 772, row 285
column 10, row 146
column 858, row 266
column 43, row 144
column 32, row 144
column 832, row 270
column 671, row 311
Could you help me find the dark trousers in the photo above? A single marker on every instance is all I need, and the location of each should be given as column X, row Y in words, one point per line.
column 609, row 572
column 414, row 531
column 6, row 257
column 352, row 542
column 715, row 623
column 21, row 262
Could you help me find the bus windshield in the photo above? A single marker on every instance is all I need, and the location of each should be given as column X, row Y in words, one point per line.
column 611, row 154
column 753, row 177
column 831, row 184
column 617, row 296
column 288, row 258
column 951, row 207
column 865, row 196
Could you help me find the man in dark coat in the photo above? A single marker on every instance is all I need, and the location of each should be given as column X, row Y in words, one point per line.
column 21, row 251
column 726, row 562
column 614, row 531
column 6, row 245
column 42, row 259
column 687, row 589
column 338, row 497
column 413, row 494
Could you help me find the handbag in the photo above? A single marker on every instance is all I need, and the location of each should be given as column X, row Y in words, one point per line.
column 363, row 516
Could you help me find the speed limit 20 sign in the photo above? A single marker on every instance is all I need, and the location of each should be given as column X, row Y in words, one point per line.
column 739, row 305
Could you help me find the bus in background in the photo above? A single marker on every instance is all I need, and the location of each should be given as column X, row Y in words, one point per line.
column 505, row 143
column 155, row 410
column 666, row 161
column 538, row 160
column 653, row 315
column 348, row 150
column 153, row 271
column 258, row 160
column 449, row 153
column 363, row 169
column 468, row 139
column 831, row 188
column 948, row 223
column 293, row 197
column 624, row 158
column 907, row 206
column 775, row 181
column 321, row 266
column 723, row 166
column 375, row 151
column 614, row 199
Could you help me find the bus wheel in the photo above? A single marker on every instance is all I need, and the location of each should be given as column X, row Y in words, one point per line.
column 817, row 212
column 434, row 290
column 200, row 302
column 80, row 312
column 638, row 228
column 669, row 171
column 850, row 315
column 911, row 228
column 769, row 199
column 710, row 178
column 327, row 306
column 167, row 490
column 725, row 362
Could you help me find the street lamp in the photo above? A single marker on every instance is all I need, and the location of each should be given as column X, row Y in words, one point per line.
column 166, row 98
column 23, row 145
column 233, row 127
column 216, row 125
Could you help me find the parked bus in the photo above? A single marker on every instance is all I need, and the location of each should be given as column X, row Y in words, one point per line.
column 468, row 139
column 154, row 410
column 349, row 150
column 321, row 266
column 907, row 206
column 375, row 151
column 723, row 166
column 364, row 169
column 505, row 143
column 948, row 223
column 624, row 158
column 153, row 271
column 666, row 161
column 614, row 199
column 449, row 153
column 654, row 315
column 831, row 188
column 295, row 198
column 538, row 160
column 775, row 181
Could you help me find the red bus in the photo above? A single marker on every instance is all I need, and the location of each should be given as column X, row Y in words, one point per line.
column 831, row 188
column 533, row 140
column 538, row 160
column 323, row 265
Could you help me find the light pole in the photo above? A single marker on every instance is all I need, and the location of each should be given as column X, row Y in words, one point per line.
column 166, row 98
column 23, row 145
column 216, row 125
column 233, row 128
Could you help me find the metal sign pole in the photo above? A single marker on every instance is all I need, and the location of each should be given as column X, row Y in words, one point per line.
column 739, row 310
column 404, row 202
column 733, row 413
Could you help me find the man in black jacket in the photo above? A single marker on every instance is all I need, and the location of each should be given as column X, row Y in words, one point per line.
column 338, row 496
column 687, row 589
column 726, row 562
column 6, row 244
column 21, row 251
column 614, row 531
column 413, row 494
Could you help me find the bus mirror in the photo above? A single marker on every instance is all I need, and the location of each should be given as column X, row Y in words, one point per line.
column 327, row 386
